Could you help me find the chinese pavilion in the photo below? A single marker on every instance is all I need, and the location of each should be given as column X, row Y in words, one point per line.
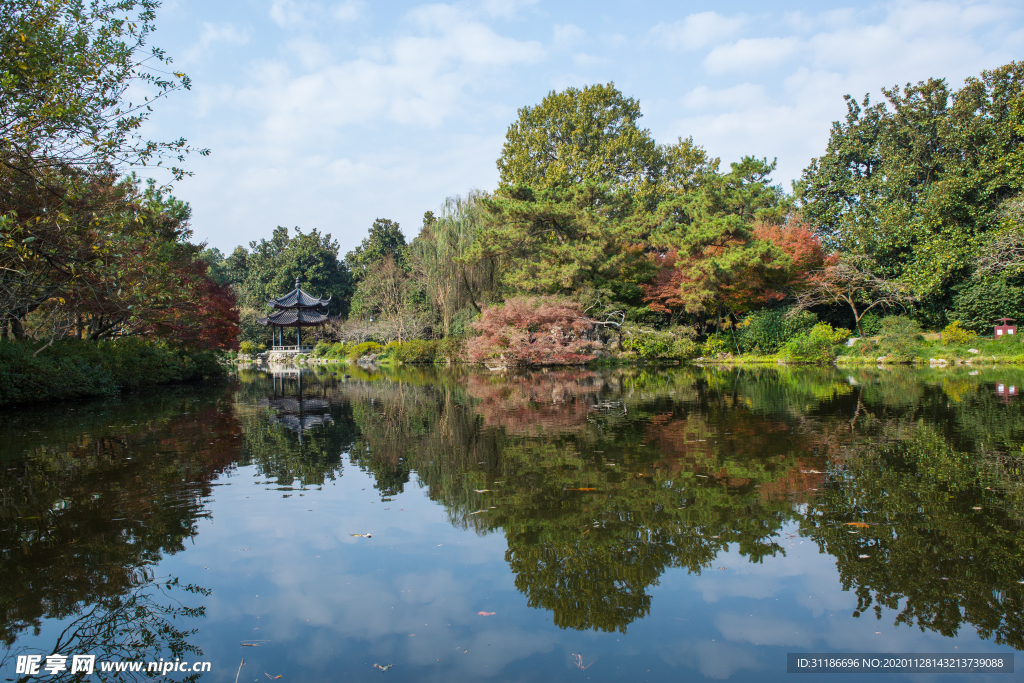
column 296, row 309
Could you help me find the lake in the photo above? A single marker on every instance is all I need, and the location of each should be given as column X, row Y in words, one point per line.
column 453, row 525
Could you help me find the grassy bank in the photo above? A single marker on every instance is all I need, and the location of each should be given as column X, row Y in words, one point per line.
column 76, row 369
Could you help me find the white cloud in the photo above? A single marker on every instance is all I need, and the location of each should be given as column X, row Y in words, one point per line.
column 301, row 13
column 348, row 11
column 212, row 34
column 505, row 8
column 566, row 35
column 697, row 30
column 751, row 54
column 742, row 96
column 584, row 60
column 287, row 12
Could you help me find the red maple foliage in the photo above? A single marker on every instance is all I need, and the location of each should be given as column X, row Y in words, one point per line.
column 204, row 317
column 543, row 330
column 757, row 284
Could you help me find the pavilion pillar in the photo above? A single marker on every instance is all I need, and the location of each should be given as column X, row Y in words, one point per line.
column 298, row 337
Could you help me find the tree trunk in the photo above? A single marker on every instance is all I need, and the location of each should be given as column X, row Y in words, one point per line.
column 17, row 329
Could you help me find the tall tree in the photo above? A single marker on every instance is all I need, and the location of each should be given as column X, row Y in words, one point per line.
column 916, row 181
column 384, row 239
column 577, row 136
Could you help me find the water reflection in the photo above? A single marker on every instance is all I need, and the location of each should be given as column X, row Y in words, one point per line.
column 602, row 480
column 85, row 515
column 599, row 482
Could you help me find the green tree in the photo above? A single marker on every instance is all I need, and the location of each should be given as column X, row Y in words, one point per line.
column 66, row 70
column 442, row 260
column 384, row 239
column 916, row 181
column 578, row 136
column 269, row 270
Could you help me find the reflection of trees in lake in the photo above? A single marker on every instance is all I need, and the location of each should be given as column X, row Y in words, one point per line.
column 294, row 427
column 942, row 548
column 114, row 488
column 139, row 623
column 601, row 480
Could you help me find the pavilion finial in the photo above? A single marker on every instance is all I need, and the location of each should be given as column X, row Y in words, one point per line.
column 296, row 282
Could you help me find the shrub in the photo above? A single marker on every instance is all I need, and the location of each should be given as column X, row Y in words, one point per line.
column 954, row 334
column 338, row 350
column 247, row 347
column 674, row 344
column 451, row 350
column 714, row 345
column 815, row 346
column 322, row 348
column 766, row 331
column 415, row 351
column 898, row 337
column 871, row 323
column 360, row 350
column 76, row 368
column 535, row 331
column 983, row 301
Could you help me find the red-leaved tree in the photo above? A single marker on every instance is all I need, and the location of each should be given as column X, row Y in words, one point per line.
column 543, row 330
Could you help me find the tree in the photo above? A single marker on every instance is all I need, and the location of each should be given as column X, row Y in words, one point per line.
column 579, row 136
column 553, row 241
column 853, row 281
column 384, row 294
column 708, row 230
column 535, row 331
column 270, row 269
column 442, row 260
column 385, row 239
column 917, row 181
column 66, row 68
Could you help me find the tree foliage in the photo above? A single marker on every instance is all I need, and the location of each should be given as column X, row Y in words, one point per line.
column 916, row 182
column 535, row 331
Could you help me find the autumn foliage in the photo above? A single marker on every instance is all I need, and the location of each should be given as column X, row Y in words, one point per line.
column 525, row 331
column 687, row 283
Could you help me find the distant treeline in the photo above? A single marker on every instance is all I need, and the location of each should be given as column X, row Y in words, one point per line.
column 914, row 209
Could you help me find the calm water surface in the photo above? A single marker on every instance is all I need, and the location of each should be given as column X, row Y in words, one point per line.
column 660, row 525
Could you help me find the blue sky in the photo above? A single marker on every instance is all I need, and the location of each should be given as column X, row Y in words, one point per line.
column 327, row 114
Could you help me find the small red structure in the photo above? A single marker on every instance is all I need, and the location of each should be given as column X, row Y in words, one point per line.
column 1007, row 393
column 1005, row 328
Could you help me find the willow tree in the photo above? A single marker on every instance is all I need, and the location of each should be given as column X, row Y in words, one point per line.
column 444, row 263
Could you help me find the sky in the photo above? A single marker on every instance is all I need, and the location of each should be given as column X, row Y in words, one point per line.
column 328, row 115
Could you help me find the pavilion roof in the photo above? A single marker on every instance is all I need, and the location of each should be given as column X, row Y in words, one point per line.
column 298, row 299
column 293, row 317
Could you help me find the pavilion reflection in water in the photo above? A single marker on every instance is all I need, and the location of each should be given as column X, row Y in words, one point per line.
column 294, row 411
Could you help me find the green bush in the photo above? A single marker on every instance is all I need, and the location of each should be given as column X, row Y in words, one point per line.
column 871, row 324
column 898, row 338
column 246, row 347
column 321, row 349
column 765, row 332
column 714, row 345
column 77, row 368
column 415, row 351
column 954, row 334
column 360, row 350
column 983, row 301
column 451, row 350
column 673, row 344
column 816, row 346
